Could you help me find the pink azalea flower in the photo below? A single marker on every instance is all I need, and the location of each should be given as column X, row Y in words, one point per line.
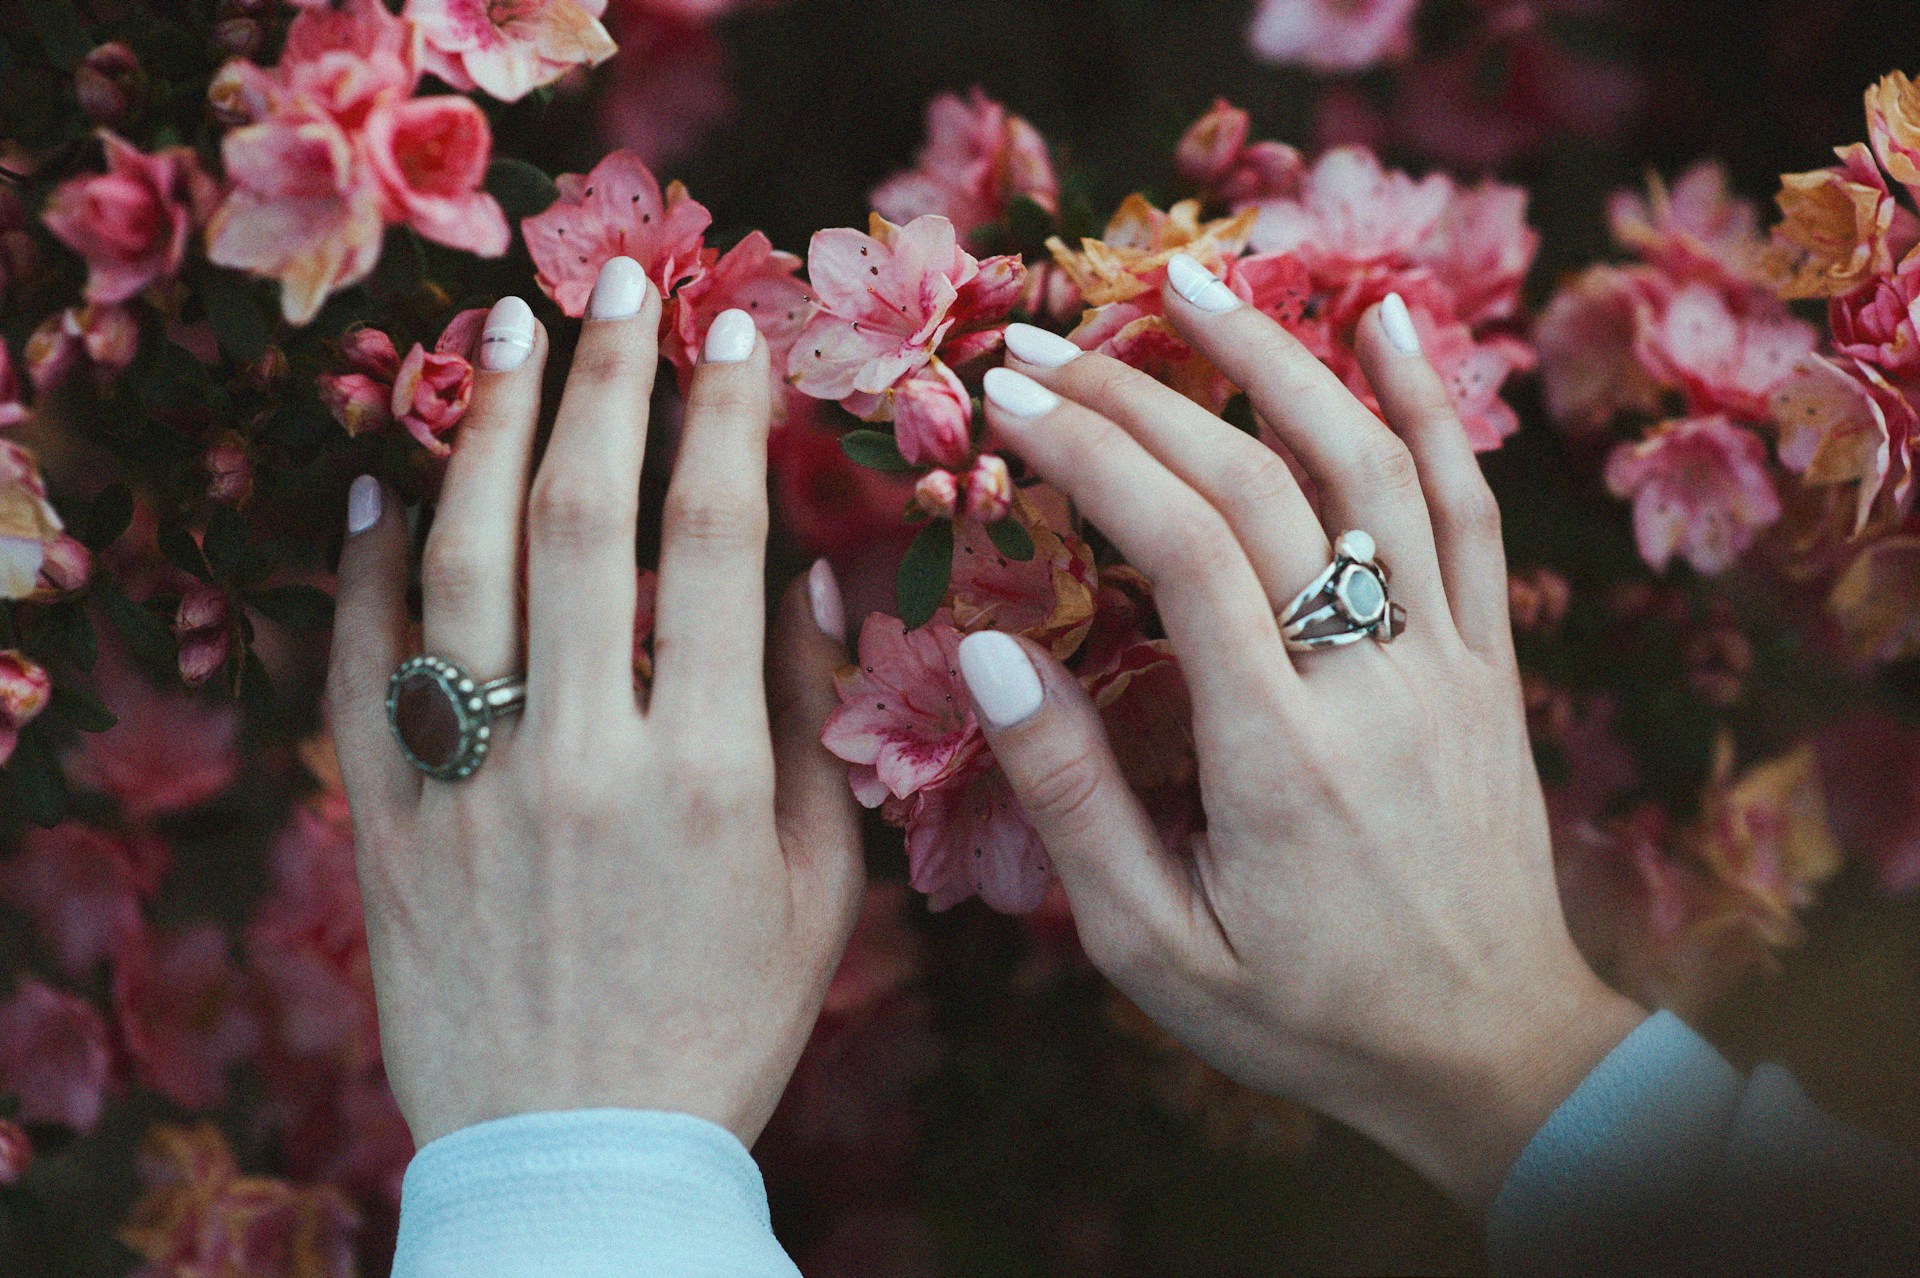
column 82, row 888
column 168, row 752
column 1333, row 35
column 508, row 48
column 53, row 1056
column 969, row 835
column 303, row 209
column 1588, row 338
column 617, row 210
column 752, row 276
column 1700, row 489
column 1725, row 363
column 1695, row 230
column 1876, row 324
column 1481, row 248
column 1214, row 155
column 426, row 393
column 1351, row 214
column 990, row 490
column 1842, row 422
column 12, row 410
column 979, row 158
column 132, row 222
column 25, row 689
column 1048, row 598
column 429, row 157
column 885, row 303
column 431, row 391
column 905, row 720
column 307, row 942
column 180, row 1006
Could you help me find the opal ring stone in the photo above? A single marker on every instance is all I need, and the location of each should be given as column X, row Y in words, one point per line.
column 1346, row 603
column 443, row 717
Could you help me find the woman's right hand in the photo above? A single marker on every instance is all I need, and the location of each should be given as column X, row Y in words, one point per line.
column 1370, row 924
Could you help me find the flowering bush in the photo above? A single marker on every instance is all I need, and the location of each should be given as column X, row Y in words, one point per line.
column 243, row 250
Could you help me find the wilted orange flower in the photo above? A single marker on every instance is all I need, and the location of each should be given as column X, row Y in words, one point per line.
column 1877, row 600
column 1131, row 256
column 1766, row 832
column 1893, row 124
column 1839, row 227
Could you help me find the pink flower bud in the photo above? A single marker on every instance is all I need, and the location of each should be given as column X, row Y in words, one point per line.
column 229, row 470
column 12, row 410
column 67, row 567
column 24, row 691
column 430, row 395
column 938, row 493
column 357, row 401
column 16, row 1151
column 109, row 83
column 370, row 351
column 989, row 295
column 268, row 369
column 1212, row 144
column 238, row 93
column 205, row 638
column 933, row 417
column 989, row 489
column 110, row 335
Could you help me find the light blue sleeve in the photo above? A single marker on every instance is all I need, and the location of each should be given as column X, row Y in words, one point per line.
column 587, row 1194
column 1666, row 1160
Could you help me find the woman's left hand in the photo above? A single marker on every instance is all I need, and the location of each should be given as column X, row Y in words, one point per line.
column 628, row 905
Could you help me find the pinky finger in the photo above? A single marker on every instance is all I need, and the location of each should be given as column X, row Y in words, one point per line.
column 1466, row 518
column 369, row 640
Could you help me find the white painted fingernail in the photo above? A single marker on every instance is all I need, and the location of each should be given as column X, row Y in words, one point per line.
column 1199, row 285
column 1018, row 394
column 823, row 593
column 363, row 504
column 1039, row 347
column 619, row 290
column 507, row 339
column 1398, row 325
column 1006, row 688
column 730, row 338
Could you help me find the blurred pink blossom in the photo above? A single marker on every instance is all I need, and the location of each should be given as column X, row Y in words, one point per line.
column 12, row 410
column 1334, row 35
column 16, row 1152
column 1700, row 488
column 508, row 48
column 1214, row 155
column 978, row 159
column 168, row 752
column 181, row 1008
column 131, row 223
column 82, row 887
column 53, row 1056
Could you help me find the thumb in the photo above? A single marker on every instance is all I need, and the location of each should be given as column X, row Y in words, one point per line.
column 814, row 810
column 1125, row 888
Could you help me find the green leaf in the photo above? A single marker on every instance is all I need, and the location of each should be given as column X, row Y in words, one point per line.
column 65, row 630
column 874, row 449
column 148, row 636
column 522, row 189
column 253, row 687
column 62, row 34
column 1028, row 224
column 34, row 772
column 243, row 328
column 921, row 586
column 107, row 518
column 296, row 606
column 82, row 709
column 1010, row 538
column 182, row 551
column 225, row 541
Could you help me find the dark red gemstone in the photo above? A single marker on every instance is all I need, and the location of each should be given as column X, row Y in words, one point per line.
column 428, row 720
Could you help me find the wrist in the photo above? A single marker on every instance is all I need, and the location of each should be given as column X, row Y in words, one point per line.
column 1462, row 1113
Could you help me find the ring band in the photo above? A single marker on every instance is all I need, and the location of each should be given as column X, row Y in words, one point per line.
column 442, row 717
column 1346, row 603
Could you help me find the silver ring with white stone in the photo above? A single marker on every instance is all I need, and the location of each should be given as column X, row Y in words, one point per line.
column 1346, row 603
column 443, row 717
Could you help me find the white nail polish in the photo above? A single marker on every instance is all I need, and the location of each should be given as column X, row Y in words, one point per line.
column 507, row 339
column 1199, row 285
column 1005, row 687
column 619, row 291
column 1018, row 394
column 1398, row 325
column 363, row 504
column 823, row 593
column 1040, row 348
column 730, row 338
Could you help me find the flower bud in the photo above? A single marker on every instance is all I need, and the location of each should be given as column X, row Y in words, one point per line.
column 24, row 691
column 1212, row 145
column 237, row 37
column 66, row 567
column 989, row 489
column 370, row 351
column 109, row 83
column 236, row 96
column 938, row 493
column 357, row 401
column 1537, row 600
column 51, row 354
column 430, row 395
column 933, row 417
column 264, row 372
column 229, row 470
column 110, row 335
column 201, row 627
column 16, row 1151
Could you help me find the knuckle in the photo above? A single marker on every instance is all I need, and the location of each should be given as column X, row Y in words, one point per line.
column 730, row 398
column 724, row 521
column 1065, row 790
column 1121, row 954
column 1254, row 478
column 568, row 509
column 603, row 362
column 450, row 570
column 1474, row 509
column 1200, row 544
column 1106, row 380
column 1386, row 465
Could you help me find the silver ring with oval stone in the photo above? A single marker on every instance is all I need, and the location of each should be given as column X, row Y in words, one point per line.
column 443, row 717
column 1346, row 603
